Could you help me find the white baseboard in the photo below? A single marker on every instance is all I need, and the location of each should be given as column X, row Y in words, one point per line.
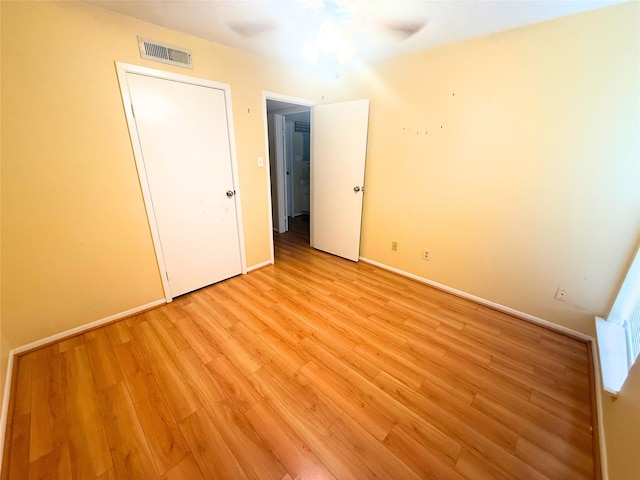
column 53, row 338
column 259, row 265
column 487, row 303
column 5, row 405
column 602, row 444
column 88, row 326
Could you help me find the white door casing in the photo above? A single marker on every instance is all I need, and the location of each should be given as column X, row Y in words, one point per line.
column 288, row 166
column 281, row 159
column 338, row 152
column 182, row 137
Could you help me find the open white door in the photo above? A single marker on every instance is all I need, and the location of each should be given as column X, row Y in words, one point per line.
column 183, row 134
column 338, row 152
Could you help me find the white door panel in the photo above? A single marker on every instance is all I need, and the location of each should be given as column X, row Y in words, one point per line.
column 338, row 152
column 184, row 137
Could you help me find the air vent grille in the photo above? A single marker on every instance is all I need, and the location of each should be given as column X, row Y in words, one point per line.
column 161, row 52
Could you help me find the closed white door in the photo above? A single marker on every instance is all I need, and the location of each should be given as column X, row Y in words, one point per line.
column 184, row 138
column 338, row 152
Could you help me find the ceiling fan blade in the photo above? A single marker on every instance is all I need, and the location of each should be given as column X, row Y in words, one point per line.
column 400, row 29
column 404, row 29
column 253, row 29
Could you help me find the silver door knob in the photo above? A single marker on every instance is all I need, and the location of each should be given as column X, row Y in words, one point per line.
column 230, row 193
column 356, row 189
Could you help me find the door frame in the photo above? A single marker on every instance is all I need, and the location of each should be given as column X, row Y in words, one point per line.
column 288, row 167
column 122, row 69
column 305, row 105
column 281, row 165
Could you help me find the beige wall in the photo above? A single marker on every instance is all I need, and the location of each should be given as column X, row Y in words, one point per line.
column 72, row 211
column 4, row 344
column 514, row 159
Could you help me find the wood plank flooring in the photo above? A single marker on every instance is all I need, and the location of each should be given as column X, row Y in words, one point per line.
column 314, row 368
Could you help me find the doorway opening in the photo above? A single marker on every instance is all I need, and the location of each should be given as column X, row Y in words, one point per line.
column 337, row 139
column 289, row 147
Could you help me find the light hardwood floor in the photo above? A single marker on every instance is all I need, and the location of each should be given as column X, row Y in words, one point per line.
column 315, row 368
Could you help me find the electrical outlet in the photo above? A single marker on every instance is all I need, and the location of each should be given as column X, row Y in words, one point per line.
column 426, row 255
column 561, row 294
column 394, row 246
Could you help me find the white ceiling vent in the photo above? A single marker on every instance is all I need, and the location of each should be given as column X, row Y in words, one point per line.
column 161, row 52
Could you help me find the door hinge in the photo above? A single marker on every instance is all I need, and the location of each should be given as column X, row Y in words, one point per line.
column 133, row 112
column 166, row 274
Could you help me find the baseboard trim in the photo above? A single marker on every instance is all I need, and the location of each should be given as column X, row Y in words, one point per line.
column 487, row 303
column 259, row 265
column 5, row 405
column 597, row 378
column 87, row 326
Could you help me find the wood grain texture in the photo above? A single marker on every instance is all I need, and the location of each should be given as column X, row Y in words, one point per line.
column 313, row 368
column 214, row 458
column 90, row 458
column 129, row 447
column 48, row 404
column 167, row 443
column 186, row 469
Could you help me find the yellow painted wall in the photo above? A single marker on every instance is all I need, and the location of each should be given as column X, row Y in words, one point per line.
column 4, row 344
column 514, row 159
column 75, row 237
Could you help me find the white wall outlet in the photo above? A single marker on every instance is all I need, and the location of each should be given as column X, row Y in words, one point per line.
column 426, row 255
column 260, row 161
column 561, row 294
column 394, row 246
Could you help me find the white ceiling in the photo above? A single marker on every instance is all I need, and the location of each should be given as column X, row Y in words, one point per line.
column 280, row 28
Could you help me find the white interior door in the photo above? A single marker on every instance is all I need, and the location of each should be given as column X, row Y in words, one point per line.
column 338, row 151
column 184, row 138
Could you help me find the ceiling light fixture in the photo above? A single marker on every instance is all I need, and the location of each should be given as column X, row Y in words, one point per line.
column 330, row 49
column 329, row 38
column 309, row 53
